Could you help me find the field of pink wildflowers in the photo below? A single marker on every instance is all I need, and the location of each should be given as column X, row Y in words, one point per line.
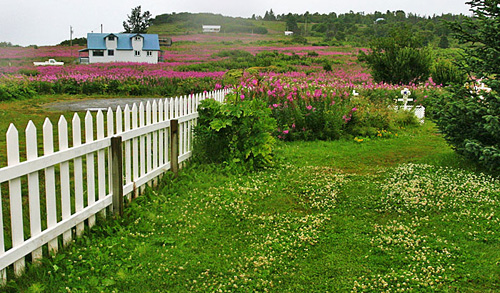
column 307, row 101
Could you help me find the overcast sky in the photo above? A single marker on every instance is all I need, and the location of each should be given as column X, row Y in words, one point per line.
column 47, row 22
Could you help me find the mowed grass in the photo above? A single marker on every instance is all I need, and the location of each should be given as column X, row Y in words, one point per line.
column 383, row 215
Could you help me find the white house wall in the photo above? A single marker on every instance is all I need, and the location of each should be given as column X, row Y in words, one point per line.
column 124, row 55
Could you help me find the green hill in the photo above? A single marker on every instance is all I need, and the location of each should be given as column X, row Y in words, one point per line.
column 188, row 23
column 356, row 29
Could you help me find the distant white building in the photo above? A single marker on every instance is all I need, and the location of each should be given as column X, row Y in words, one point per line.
column 103, row 48
column 288, row 33
column 210, row 28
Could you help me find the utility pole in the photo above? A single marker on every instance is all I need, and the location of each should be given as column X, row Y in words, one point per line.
column 101, row 28
column 71, row 39
column 70, row 35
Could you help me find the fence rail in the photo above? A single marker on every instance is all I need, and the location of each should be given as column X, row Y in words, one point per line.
column 48, row 198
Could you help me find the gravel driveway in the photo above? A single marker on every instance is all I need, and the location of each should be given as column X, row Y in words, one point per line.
column 96, row 104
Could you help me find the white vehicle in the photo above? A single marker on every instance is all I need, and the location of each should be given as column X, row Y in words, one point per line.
column 48, row 62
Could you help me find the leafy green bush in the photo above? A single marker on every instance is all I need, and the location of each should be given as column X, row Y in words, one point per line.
column 371, row 116
column 398, row 59
column 25, row 88
column 237, row 132
column 233, row 54
column 28, row 72
column 445, row 73
column 12, row 90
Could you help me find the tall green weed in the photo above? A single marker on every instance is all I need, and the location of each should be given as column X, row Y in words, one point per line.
column 237, row 132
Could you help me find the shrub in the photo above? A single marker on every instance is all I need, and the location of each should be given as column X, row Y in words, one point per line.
column 297, row 39
column 233, row 54
column 398, row 59
column 14, row 91
column 28, row 72
column 237, row 132
column 445, row 73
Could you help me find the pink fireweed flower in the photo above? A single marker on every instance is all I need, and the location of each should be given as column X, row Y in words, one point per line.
column 293, row 125
column 285, row 131
column 242, row 97
column 354, row 109
column 309, row 107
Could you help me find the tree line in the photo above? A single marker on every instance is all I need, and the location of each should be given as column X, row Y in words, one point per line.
column 360, row 28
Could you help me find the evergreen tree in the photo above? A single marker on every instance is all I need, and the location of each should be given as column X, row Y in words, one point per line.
column 443, row 42
column 137, row 22
column 269, row 16
column 470, row 120
column 291, row 23
column 266, row 16
column 272, row 17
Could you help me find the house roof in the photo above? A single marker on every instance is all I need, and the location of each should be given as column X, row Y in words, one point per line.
column 97, row 41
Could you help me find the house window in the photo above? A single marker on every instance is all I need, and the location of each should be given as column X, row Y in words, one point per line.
column 149, row 53
column 98, row 53
column 137, row 53
column 111, row 52
column 111, row 38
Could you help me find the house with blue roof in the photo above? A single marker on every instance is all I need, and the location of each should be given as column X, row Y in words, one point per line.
column 106, row 47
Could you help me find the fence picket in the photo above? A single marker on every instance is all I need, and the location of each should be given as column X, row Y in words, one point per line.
column 64, row 178
column 119, row 120
column 33, row 188
column 128, row 154
column 16, row 200
column 169, row 106
column 101, row 164
column 110, row 126
column 142, row 142
column 181, row 126
column 3, row 273
column 135, row 148
column 161, row 136
column 172, row 102
column 50, row 183
column 89, row 137
column 186, row 124
column 78, row 171
column 149, row 149
column 190, row 122
column 155, row 135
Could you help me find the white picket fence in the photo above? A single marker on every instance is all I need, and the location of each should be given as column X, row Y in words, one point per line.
column 62, row 191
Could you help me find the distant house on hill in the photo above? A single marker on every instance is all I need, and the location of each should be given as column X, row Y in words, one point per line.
column 210, row 28
column 288, row 33
column 164, row 41
column 105, row 47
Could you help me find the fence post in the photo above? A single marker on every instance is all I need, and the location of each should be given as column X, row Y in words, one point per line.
column 174, row 148
column 117, row 174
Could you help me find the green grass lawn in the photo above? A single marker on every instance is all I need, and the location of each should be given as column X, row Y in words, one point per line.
column 382, row 215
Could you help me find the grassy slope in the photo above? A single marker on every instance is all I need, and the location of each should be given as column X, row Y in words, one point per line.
column 180, row 28
column 317, row 223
